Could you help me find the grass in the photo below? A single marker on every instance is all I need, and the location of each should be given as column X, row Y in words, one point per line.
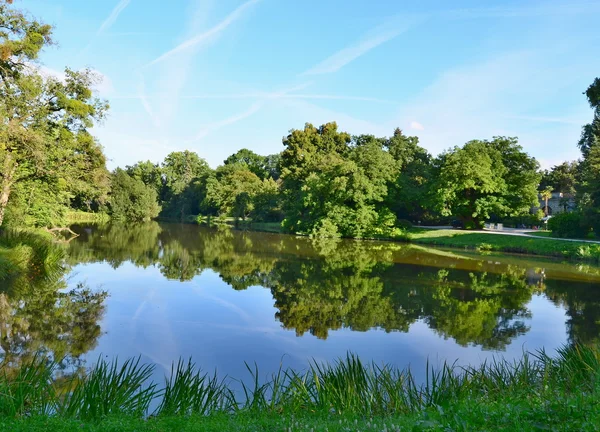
column 505, row 243
column 535, row 392
column 541, row 233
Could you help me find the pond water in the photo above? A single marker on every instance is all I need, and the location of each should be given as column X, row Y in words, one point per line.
column 224, row 297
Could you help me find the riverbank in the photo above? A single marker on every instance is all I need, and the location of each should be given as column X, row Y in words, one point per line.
column 536, row 392
column 481, row 241
column 484, row 241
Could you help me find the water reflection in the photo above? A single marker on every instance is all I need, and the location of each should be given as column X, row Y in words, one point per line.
column 38, row 314
column 324, row 285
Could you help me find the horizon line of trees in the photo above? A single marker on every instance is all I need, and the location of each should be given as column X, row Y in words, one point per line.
column 325, row 182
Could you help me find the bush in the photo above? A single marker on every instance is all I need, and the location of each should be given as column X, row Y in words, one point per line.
column 569, row 225
column 404, row 224
column 527, row 220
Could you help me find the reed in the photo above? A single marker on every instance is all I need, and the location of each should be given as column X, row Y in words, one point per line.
column 347, row 386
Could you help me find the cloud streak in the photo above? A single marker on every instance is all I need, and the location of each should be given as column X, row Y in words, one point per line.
column 107, row 23
column 254, row 108
column 258, row 95
column 376, row 37
column 112, row 18
column 206, row 36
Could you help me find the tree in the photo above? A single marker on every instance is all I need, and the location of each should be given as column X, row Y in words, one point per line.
column 407, row 194
column 44, row 130
column 254, row 163
column 589, row 188
column 233, row 189
column 485, row 178
column 546, row 194
column 131, row 199
column 149, row 173
column 471, row 183
column 335, row 185
column 185, row 175
column 562, row 178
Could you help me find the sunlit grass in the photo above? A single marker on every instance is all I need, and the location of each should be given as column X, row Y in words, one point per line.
column 506, row 243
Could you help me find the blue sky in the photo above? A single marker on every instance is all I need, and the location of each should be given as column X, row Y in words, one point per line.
column 214, row 76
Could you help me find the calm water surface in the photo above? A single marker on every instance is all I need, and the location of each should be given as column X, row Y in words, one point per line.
column 224, row 297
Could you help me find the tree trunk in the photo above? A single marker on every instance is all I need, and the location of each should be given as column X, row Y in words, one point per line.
column 6, row 185
column 546, row 207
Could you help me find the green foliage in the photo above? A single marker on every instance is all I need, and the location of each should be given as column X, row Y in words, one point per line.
column 109, row 388
column 233, row 190
column 486, row 178
column 131, row 199
column 347, row 387
column 149, row 173
column 333, row 181
column 48, row 158
column 407, row 196
column 261, row 166
column 529, row 220
column 568, row 225
column 561, row 178
column 185, row 177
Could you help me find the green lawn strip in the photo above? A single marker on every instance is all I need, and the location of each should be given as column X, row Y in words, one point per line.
column 540, row 233
column 497, row 242
column 579, row 412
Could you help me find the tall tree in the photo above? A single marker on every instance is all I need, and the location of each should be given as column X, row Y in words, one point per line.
column 486, row 178
column 149, row 173
column 589, row 189
column 255, row 163
column 45, row 121
column 407, row 194
column 185, row 176
column 334, row 184
column 131, row 199
column 546, row 194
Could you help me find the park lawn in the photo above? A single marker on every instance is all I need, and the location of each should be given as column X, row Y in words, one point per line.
column 522, row 412
column 504, row 243
column 541, row 233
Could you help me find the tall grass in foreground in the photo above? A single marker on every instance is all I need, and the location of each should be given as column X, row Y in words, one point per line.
column 347, row 386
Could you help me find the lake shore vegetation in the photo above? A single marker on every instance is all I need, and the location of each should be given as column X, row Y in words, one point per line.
column 536, row 389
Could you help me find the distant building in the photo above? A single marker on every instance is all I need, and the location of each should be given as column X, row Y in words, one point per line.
column 559, row 203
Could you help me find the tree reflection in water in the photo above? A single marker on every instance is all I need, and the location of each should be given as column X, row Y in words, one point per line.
column 320, row 285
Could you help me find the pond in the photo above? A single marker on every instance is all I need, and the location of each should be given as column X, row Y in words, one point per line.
column 225, row 297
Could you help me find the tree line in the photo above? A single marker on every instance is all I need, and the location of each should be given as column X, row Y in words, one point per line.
column 325, row 182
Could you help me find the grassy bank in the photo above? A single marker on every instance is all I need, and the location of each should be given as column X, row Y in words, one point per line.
column 505, row 243
column 536, row 392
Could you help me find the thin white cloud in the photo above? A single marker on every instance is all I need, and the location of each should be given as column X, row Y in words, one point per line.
column 540, row 10
column 376, row 37
column 112, row 18
column 107, row 23
column 562, row 120
column 416, row 125
column 254, row 108
column 147, row 107
column 208, row 35
column 258, row 95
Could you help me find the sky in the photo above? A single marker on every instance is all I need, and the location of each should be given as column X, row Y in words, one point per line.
column 215, row 76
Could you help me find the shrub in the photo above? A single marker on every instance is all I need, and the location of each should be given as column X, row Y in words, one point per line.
column 571, row 225
column 404, row 224
column 527, row 220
